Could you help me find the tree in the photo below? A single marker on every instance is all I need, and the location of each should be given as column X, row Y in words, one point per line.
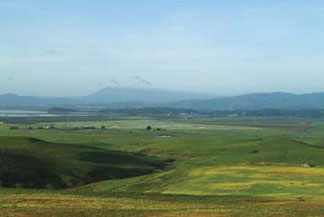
column 149, row 128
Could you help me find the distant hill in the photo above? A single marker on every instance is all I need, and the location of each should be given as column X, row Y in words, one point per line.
column 107, row 97
column 140, row 96
column 256, row 101
column 15, row 101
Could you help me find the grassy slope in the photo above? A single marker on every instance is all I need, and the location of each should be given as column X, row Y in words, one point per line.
column 227, row 166
column 34, row 163
column 238, row 168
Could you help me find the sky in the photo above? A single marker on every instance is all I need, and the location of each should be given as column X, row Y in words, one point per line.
column 221, row 47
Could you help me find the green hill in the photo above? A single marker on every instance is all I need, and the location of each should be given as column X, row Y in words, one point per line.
column 33, row 163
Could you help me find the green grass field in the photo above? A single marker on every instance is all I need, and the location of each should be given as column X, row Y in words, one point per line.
column 197, row 167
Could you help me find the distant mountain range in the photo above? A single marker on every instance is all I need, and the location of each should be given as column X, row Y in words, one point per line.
column 139, row 98
column 256, row 101
column 107, row 97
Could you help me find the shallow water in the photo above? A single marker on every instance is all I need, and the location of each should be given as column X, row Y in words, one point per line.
column 24, row 113
column 164, row 136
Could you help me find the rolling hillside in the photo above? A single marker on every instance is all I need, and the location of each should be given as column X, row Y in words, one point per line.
column 34, row 163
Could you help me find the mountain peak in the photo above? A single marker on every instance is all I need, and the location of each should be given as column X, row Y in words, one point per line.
column 143, row 95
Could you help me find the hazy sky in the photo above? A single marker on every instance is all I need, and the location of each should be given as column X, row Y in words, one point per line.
column 74, row 47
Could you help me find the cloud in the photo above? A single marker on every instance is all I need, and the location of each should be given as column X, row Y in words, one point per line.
column 114, row 81
column 140, row 80
column 52, row 52
column 10, row 78
column 25, row 59
column 100, row 83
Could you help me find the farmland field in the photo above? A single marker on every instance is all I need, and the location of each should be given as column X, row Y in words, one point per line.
column 196, row 167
